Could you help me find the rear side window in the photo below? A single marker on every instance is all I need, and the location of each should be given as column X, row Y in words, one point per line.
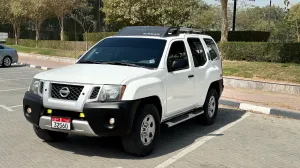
column 212, row 48
column 197, row 50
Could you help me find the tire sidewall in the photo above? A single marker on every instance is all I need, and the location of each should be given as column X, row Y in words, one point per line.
column 210, row 120
column 140, row 148
column 3, row 64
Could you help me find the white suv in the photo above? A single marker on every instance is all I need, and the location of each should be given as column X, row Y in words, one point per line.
column 128, row 85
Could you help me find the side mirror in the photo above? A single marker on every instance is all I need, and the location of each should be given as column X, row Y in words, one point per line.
column 178, row 64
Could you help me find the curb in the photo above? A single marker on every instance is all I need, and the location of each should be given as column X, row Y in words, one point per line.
column 261, row 109
column 34, row 66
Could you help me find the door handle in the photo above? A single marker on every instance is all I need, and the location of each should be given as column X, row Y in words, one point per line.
column 190, row 76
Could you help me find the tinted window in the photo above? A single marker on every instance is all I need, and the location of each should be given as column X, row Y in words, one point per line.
column 1, row 47
column 212, row 47
column 198, row 52
column 138, row 51
column 177, row 51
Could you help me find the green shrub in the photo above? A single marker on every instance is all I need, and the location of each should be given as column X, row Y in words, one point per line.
column 10, row 41
column 261, row 51
column 97, row 36
column 27, row 43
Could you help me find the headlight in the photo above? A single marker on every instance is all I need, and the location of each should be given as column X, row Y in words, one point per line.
column 34, row 88
column 111, row 93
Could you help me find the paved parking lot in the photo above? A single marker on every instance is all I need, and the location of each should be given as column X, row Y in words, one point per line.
column 237, row 139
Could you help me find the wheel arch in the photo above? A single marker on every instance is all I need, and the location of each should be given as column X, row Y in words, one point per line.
column 155, row 100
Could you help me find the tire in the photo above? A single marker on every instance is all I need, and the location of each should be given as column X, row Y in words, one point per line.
column 49, row 136
column 8, row 63
column 209, row 116
column 147, row 118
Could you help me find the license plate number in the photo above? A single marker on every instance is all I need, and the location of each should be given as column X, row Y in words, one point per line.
column 61, row 123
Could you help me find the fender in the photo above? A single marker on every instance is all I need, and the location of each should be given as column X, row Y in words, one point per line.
column 145, row 87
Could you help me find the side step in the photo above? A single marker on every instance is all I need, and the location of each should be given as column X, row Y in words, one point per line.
column 183, row 118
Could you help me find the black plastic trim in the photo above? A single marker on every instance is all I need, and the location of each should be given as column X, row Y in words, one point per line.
column 98, row 115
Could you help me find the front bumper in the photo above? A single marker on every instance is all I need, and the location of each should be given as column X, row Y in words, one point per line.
column 95, row 122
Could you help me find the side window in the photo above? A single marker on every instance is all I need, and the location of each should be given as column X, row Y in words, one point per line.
column 177, row 58
column 1, row 47
column 213, row 50
column 198, row 52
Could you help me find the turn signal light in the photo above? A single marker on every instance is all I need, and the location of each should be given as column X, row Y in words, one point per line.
column 49, row 111
column 81, row 115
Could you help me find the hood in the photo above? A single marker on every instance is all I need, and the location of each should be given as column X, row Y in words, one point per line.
column 92, row 74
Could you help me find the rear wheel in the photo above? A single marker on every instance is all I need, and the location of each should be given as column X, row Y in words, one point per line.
column 145, row 132
column 211, row 107
column 49, row 136
column 6, row 62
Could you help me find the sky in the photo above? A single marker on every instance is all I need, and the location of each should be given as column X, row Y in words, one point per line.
column 258, row 2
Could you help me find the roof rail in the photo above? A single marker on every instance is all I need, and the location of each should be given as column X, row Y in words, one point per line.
column 155, row 31
column 189, row 30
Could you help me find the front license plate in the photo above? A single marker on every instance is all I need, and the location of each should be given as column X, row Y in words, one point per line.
column 61, row 123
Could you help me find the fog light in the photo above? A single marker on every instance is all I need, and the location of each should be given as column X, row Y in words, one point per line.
column 81, row 115
column 28, row 110
column 112, row 121
column 49, row 111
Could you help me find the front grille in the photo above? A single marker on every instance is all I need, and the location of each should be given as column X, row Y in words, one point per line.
column 74, row 91
column 95, row 93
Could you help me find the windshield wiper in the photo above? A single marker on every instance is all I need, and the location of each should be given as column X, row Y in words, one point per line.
column 89, row 62
column 124, row 63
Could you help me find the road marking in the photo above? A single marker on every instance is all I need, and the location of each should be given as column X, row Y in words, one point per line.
column 12, row 72
column 6, row 108
column 264, row 110
column 14, row 79
column 16, row 106
column 8, row 90
column 200, row 142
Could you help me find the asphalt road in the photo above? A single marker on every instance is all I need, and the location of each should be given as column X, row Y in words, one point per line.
column 237, row 139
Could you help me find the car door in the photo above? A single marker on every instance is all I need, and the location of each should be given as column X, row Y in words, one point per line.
column 1, row 53
column 179, row 81
column 200, row 60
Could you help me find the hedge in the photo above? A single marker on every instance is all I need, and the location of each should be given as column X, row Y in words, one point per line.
column 53, row 44
column 262, row 52
column 244, row 36
column 97, row 36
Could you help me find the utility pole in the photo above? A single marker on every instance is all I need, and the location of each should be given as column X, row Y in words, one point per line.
column 234, row 18
column 234, row 15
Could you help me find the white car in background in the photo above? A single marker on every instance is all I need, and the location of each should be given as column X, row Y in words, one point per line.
column 8, row 56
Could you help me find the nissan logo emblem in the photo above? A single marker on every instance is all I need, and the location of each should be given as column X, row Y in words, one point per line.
column 64, row 92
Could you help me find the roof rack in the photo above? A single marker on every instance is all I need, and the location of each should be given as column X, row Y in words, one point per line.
column 155, row 31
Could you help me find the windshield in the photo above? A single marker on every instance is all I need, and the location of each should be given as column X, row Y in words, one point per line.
column 127, row 51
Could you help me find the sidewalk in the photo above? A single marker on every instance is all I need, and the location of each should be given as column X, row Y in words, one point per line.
column 43, row 63
column 262, row 98
column 256, row 97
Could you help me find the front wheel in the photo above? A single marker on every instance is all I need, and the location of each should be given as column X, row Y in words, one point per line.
column 145, row 132
column 49, row 136
column 210, row 108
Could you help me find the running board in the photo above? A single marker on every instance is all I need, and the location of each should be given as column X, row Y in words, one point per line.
column 183, row 118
